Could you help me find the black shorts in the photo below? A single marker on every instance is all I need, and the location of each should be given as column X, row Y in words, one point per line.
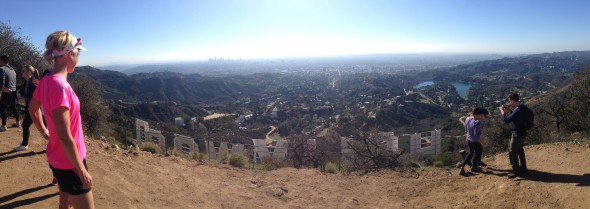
column 69, row 181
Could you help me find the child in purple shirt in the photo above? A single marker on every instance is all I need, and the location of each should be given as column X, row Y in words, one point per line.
column 473, row 131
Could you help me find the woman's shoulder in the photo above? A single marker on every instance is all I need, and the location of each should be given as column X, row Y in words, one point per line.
column 471, row 120
column 54, row 79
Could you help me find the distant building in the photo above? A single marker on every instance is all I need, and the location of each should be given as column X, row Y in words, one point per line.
column 275, row 113
column 179, row 121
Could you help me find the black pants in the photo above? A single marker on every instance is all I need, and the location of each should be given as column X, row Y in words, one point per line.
column 475, row 151
column 27, row 121
column 8, row 101
column 516, row 152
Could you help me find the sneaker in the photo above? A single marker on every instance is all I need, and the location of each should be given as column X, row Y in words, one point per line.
column 2, row 128
column 462, row 172
column 482, row 164
column 512, row 175
column 476, row 169
column 20, row 148
column 15, row 125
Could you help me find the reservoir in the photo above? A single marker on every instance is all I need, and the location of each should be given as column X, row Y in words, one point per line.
column 461, row 87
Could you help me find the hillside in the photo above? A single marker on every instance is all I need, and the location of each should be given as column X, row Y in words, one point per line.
column 559, row 178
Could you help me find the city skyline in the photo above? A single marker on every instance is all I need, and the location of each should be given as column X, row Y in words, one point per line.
column 152, row 31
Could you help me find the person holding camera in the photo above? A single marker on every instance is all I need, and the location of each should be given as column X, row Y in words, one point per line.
column 516, row 119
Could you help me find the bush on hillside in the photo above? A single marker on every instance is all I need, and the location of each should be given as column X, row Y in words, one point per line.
column 151, row 148
column 239, row 161
column 93, row 109
column 331, row 168
column 273, row 163
column 197, row 156
column 577, row 116
column 442, row 160
column 224, row 157
column 369, row 150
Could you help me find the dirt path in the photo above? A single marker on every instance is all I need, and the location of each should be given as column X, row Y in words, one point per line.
column 215, row 115
column 559, row 178
column 268, row 140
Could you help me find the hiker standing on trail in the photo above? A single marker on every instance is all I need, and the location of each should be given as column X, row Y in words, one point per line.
column 66, row 150
column 31, row 77
column 8, row 96
column 473, row 131
column 517, row 121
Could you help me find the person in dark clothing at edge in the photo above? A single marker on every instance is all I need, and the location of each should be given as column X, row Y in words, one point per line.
column 516, row 119
column 8, row 96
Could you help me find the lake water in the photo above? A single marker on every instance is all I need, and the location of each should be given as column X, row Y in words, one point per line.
column 461, row 87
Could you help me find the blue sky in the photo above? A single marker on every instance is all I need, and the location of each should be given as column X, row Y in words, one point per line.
column 150, row 31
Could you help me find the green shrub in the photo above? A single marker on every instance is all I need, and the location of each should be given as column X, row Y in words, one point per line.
column 272, row 163
column 239, row 161
column 438, row 163
column 331, row 168
column 224, row 158
column 197, row 156
column 178, row 153
column 152, row 148
column 444, row 159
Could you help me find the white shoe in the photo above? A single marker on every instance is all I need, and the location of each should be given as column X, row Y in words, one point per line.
column 21, row 148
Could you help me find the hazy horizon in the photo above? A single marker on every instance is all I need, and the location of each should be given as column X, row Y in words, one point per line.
column 152, row 31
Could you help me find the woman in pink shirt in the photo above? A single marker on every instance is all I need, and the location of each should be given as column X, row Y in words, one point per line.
column 66, row 151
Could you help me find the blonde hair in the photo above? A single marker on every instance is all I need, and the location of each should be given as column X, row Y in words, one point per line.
column 57, row 40
column 33, row 71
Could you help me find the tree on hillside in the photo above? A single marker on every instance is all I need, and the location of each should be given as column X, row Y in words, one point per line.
column 497, row 135
column 93, row 108
column 18, row 48
column 577, row 117
column 555, row 107
column 370, row 150
column 367, row 148
column 316, row 152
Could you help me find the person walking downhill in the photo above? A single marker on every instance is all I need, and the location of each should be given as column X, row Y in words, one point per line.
column 66, row 150
column 517, row 121
column 31, row 77
column 473, row 131
column 8, row 96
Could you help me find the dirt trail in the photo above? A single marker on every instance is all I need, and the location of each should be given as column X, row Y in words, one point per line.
column 559, row 178
column 268, row 140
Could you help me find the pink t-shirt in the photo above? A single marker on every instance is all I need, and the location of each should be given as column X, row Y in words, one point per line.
column 54, row 91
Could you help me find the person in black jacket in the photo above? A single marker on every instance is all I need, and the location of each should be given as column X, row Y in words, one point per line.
column 26, row 91
column 516, row 119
